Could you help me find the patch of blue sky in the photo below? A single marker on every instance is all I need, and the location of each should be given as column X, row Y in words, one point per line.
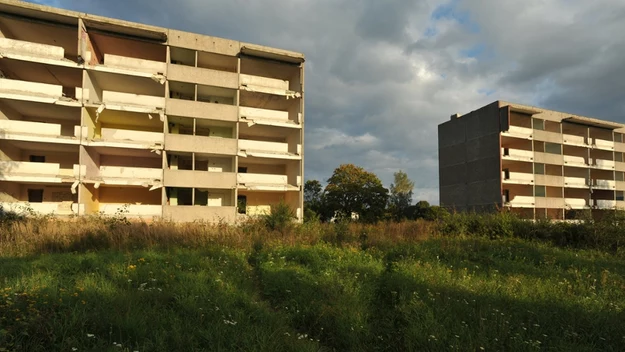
column 450, row 11
column 478, row 51
column 54, row 3
column 486, row 91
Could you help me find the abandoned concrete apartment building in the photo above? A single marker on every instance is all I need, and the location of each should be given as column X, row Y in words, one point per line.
column 537, row 163
column 98, row 115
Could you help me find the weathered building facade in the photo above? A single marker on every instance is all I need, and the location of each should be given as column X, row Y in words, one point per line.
column 98, row 115
column 535, row 162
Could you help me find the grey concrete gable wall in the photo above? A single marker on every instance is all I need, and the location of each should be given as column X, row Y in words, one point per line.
column 469, row 160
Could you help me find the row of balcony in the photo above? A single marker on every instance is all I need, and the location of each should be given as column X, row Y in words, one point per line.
column 563, row 138
column 112, row 137
column 559, row 181
column 145, row 211
column 564, row 203
column 18, row 171
column 143, row 67
column 558, row 159
column 50, row 93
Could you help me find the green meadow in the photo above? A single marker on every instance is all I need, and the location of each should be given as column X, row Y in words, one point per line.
column 93, row 285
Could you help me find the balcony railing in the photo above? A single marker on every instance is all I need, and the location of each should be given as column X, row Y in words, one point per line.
column 522, row 201
column 262, row 179
column 603, row 144
column 576, row 203
column 31, row 49
column 517, row 154
column 575, row 160
column 604, row 164
column 517, row 177
column 56, row 208
column 140, row 100
column 271, row 147
column 266, row 116
column 265, row 182
column 12, row 129
column 34, row 52
column 130, row 175
column 42, row 172
column 521, row 132
column 604, row 184
column 603, row 203
column 574, row 140
column 134, row 64
column 16, row 89
column 119, row 135
column 266, row 149
column 131, row 210
column 267, row 85
column 578, row 182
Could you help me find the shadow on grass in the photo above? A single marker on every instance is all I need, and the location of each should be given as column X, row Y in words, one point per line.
column 352, row 305
column 414, row 315
column 179, row 300
column 210, row 298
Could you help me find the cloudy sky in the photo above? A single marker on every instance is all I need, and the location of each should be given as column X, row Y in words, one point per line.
column 382, row 74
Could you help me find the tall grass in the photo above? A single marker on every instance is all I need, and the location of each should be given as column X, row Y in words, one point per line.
column 465, row 282
column 28, row 235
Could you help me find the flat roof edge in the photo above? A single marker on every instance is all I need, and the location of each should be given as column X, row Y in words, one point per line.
column 54, row 14
column 594, row 122
column 272, row 53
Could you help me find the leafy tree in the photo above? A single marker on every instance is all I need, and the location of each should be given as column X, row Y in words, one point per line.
column 401, row 196
column 352, row 190
column 423, row 210
column 313, row 200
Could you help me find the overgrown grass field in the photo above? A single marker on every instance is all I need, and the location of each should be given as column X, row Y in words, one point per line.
column 94, row 285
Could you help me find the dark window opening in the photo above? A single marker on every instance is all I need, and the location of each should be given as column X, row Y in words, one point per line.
column 242, row 204
column 242, row 170
column 37, row 159
column 185, row 196
column 35, row 195
column 201, row 197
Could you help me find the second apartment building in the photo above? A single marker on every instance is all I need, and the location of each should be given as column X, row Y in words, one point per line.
column 535, row 162
column 99, row 115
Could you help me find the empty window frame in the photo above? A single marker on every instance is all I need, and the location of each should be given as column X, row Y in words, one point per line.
column 539, row 191
column 538, row 124
column 553, row 148
column 539, row 169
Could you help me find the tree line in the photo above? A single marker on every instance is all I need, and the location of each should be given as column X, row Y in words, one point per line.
column 354, row 194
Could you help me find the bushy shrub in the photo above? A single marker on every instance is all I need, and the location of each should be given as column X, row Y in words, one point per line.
column 280, row 218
